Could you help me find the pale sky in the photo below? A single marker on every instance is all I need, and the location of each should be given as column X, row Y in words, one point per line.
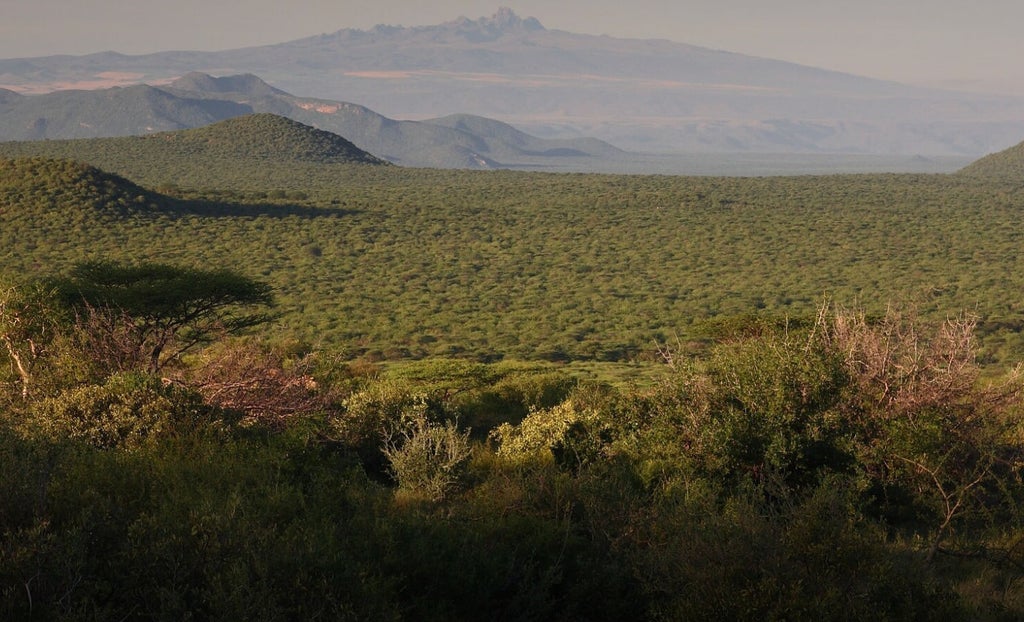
column 965, row 44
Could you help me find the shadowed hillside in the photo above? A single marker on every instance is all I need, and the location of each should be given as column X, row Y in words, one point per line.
column 50, row 185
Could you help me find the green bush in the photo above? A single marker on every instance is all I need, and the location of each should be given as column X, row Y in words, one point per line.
column 768, row 404
column 568, row 433
column 751, row 554
column 428, row 459
column 126, row 411
column 511, row 398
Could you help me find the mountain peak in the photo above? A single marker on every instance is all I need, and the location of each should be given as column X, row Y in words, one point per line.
column 506, row 19
column 503, row 22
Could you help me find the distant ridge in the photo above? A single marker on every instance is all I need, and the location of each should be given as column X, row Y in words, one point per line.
column 117, row 111
column 505, row 134
column 198, row 99
column 653, row 96
column 245, row 84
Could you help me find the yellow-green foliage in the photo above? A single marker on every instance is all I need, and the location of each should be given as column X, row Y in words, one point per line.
column 543, row 430
column 850, row 468
column 393, row 263
column 368, row 414
column 428, row 459
column 126, row 411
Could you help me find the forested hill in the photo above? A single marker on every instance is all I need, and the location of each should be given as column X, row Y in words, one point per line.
column 265, row 137
column 44, row 186
column 1007, row 164
column 204, row 155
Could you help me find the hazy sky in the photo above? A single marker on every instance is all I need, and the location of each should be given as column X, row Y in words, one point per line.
column 975, row 44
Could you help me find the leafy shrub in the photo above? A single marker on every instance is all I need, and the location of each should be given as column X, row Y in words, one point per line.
column 702, row 555
column 126, row 411
column 938, row 446
column 369, row 416
column 511, row 398
column 568, row 433
column 370, row 412
column 765, row 404
column 428, row 459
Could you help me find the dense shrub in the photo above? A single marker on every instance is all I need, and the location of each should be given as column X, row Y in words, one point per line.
column 702, row 555
column 568, row 433
column 428, row 459
column 770, row 404
column 126, row 411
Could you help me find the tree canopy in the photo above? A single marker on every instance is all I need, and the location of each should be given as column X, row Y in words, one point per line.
column 166, row 309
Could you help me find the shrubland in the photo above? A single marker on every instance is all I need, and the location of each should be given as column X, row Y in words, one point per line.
column 393, row 263
column 331, row 391
column 849, row 467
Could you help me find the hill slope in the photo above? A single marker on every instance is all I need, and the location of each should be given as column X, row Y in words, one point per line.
column 1007, row 164
column 236, row 142
column 264, row 136
column 55, row 212
column 47, row 184
column 108, row 112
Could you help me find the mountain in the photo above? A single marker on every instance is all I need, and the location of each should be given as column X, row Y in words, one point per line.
column 650, row 95
column 198, row 99
column 498, row 135
column 108, row 112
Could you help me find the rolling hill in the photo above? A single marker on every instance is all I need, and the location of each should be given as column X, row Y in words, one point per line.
column 51, row 204
column 261, row 136
column 47, row 184
column 263, row 146
column 243, row 140
column 117, row 111
column 643, row 95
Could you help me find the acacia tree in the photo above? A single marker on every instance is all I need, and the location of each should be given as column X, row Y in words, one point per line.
column 149, row 314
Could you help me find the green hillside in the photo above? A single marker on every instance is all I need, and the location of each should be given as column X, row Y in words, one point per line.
column 50, row 186
column 545, row 396
column 236, row 142
column 264, row 137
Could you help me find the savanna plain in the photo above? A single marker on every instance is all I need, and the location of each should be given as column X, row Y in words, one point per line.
column 248, row 377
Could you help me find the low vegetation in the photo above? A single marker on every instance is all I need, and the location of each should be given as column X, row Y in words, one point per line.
column 847, row 469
